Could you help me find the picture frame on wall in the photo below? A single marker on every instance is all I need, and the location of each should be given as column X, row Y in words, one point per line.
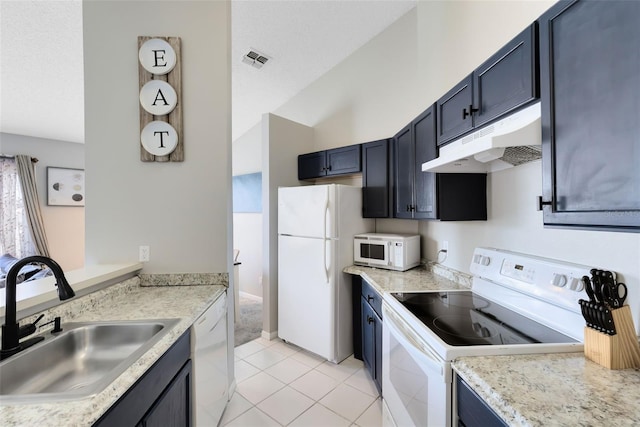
column 65, row 187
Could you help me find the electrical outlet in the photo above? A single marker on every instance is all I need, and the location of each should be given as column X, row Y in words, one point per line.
column 445, row 245
column 144, row 253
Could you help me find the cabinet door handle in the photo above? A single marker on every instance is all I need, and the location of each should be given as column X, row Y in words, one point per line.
column 369, row 298
column 471, row 111
column 329, row 168
column 370, row 320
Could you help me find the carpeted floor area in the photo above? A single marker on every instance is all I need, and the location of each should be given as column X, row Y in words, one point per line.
column 249, row 324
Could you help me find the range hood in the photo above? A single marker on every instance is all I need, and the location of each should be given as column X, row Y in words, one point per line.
column 509, row 142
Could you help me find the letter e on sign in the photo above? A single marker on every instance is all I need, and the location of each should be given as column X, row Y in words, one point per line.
column 157, row 56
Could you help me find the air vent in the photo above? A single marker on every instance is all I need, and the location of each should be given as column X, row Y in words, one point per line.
column 255, row 59
column 521, row 155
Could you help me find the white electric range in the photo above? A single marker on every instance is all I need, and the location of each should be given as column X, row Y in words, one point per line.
column 518, row 304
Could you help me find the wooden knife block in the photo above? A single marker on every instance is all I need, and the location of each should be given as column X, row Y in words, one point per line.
column 619, row 351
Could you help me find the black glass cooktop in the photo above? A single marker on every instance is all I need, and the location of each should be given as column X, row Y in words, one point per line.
column 466, row 319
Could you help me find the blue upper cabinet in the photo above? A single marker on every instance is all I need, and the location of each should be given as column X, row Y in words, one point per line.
column 590, row 87
column 337, row 161
column 507, row 80
column 426, row 195
column 376, row 179
column 455, row 110
column 502, row 84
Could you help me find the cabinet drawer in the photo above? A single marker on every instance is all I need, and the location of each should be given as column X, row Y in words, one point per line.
column 371, row 296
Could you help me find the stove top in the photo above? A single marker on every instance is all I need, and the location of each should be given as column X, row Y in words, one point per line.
column 463, row 318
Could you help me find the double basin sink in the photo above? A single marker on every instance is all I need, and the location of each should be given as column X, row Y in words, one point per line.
column 78, row 362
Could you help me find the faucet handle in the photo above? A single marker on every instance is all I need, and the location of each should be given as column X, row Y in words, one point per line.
column 28, row 329
column 56, row 325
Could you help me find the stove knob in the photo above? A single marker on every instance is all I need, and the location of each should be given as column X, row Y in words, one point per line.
column 559, row 280
column 485, row 260
column 576, row 285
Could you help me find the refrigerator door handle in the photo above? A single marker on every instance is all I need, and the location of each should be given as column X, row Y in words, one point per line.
column 326, row 270
column 326, row 210
column 324, row 252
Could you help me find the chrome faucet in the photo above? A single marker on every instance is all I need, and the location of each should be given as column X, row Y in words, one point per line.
column 11, row 332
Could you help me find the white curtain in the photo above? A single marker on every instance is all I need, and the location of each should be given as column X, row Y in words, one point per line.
column 15, row 237
column 31, row 201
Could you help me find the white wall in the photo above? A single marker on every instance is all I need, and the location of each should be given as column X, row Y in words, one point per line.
column 247, row 238
column 282, row 141
column 247, row 227
column 247, row 152
column 64, row 225
column 369, row 96
column 384, row 85
column 181, row 210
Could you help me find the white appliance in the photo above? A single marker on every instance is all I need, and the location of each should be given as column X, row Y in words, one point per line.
column 518, row 304
column 316, row 225
column 398, row 252
column 511, row 141
column 209, row 350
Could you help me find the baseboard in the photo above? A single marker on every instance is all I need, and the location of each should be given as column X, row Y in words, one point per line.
column 250, row 296
column 269, row 335
column 232, row 388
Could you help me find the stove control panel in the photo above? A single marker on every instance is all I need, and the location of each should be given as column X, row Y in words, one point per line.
column 517, row 271
column 547, row 279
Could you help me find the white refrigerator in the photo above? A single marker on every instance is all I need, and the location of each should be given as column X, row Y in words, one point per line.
column 316, row 225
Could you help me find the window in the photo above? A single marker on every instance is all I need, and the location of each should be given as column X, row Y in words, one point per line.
column 15, row 237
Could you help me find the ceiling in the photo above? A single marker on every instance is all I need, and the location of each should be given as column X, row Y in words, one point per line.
column 41, row 57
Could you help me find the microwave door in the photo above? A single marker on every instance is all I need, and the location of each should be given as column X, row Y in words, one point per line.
column 377, row 252
column 372, row 252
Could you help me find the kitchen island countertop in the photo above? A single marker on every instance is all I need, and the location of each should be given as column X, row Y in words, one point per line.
column 124, row 301
column 553, row 389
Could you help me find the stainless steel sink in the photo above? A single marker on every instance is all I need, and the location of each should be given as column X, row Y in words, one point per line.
column 78, row 362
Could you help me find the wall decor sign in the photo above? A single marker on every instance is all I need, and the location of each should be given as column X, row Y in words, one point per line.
column 65, row 187
column 160, row 85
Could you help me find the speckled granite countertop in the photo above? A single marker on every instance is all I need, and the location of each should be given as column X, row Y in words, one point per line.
column 554, row 389
column 431, row 277
column 528, row 390
column 124, row 301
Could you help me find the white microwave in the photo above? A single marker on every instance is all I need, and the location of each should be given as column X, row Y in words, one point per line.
column 398, row 252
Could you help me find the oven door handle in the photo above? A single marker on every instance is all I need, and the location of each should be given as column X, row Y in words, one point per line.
column 409, row 340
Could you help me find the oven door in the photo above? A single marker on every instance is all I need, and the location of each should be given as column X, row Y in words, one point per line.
column 416, row 382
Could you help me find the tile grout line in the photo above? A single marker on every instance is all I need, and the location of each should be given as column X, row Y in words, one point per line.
column 287, row 385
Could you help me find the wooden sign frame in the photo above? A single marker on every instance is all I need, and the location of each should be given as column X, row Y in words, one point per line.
column 174, row 118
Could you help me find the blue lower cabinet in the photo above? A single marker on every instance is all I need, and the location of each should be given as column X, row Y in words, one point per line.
column 161, row 397
column 472, row 410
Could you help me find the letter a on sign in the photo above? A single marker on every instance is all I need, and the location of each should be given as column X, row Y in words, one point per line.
column 158, row 97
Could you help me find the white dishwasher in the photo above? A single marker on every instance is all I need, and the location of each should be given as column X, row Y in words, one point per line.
column 209, row 355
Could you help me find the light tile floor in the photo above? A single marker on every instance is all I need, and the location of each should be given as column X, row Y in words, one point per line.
column 279, row 384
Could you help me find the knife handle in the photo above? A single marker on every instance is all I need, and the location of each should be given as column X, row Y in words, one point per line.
column 589, row 288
